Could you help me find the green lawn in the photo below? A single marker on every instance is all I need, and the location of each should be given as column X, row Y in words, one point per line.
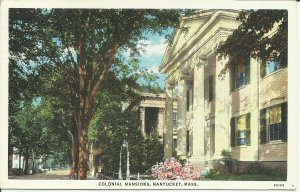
column 246, row 177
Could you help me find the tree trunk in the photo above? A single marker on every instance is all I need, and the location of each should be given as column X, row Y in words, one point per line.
column 96, row 164
column 20, row 168
column 10, row 159
column 83, row 154
column 33, row 164
column 74, row 154
column 26, row 171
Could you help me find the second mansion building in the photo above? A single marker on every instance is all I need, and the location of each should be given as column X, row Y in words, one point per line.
column 242, row 109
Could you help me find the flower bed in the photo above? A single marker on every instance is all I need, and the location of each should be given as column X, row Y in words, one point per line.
column 171, row 169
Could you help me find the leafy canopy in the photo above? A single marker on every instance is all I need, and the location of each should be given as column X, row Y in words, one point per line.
column 263, row 34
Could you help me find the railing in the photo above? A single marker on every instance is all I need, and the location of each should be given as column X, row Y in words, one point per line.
column 112, row 175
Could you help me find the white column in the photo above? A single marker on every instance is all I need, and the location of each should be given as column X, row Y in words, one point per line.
column 199, row 114
column 222, row 110
column 142, row 119
column 181, row 129
column 255, row 112
column 160, row 125
column 168, row 128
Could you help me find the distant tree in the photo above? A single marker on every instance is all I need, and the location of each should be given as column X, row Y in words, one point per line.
column 36, row 132
column 83, row 45
column 263, row 34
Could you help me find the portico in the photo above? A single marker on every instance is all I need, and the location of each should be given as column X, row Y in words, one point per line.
column 190, row 67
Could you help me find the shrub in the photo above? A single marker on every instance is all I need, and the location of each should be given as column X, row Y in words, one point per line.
column 256, row 168
column 172, row 169
column 212, row 174
column 229, row 162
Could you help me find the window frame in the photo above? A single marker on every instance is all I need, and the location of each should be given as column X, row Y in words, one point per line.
column 235, row 131
column 175, row 119
column 272, row 125
column 174, row 143
column 264, row 67
column 234, row 72
column 265, row 125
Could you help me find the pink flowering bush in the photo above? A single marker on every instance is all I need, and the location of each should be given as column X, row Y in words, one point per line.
column 172, row 169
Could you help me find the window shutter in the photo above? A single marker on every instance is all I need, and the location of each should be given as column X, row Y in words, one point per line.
column 247, row 70
column 248, row 130
column 232, row 77
column 187, row 99
column 263, row 126
column 211, row 88
column 263, row 66
column 187, row 141
column 284, row 114
column 232, row 133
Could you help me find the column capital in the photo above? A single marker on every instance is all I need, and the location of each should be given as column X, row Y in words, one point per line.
column 202, row 61
column 183, row 76
column 161, row 110
column 170, row 85
column 142, row 109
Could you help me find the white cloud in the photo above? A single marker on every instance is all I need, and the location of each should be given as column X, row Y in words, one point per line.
column 151, row 48
column 155, row 49
column 153, row 69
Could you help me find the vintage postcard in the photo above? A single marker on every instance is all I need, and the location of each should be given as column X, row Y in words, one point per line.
column 139, row 95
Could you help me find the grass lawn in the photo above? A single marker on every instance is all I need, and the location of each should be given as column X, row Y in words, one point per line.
column 246, row 177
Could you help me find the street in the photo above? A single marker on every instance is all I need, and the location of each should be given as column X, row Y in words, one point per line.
column 49, row 175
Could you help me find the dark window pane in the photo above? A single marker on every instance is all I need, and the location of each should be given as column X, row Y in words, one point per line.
column 188, row 100
column 211, row 88
column 241, row 141
column 175, row 143
column 272, row 66
column 275, row 131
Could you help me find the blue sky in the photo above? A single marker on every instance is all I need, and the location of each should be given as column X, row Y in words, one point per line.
column 155, row 49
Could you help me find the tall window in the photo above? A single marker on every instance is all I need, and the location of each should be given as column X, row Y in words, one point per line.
column 240, row 130
column 174, row 143
column 187, row 141
column 174, row 119
column 240, row 74
column 188, row 100
column 273, row 123
column 270, row 67
column 211, row 88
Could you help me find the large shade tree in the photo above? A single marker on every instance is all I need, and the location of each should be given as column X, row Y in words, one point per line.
column 82, row 45
column 262, row 34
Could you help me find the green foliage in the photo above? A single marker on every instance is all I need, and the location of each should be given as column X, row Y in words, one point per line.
column 255, row 172
column 226, row 153
column 67, row 55
column 213, row 173
column 258, row 168
column 153, row 152
column 229, row 161
column 262, row 33
column 143, row 152
column 245, row 177
column 37, row 131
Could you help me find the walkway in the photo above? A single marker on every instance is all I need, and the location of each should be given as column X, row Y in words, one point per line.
column 49, row 175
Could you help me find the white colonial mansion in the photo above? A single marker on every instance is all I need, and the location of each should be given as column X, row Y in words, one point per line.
column 242, row 109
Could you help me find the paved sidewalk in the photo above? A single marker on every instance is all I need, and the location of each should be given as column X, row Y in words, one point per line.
column 49, row 175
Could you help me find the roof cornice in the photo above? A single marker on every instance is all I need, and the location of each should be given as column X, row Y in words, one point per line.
column 199, row 33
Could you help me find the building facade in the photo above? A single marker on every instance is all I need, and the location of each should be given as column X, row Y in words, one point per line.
column 241, row 109
column 152, row 116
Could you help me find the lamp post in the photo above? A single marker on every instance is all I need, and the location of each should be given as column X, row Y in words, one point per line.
column 125, row 144
column 120, row 168
column 128, row 165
